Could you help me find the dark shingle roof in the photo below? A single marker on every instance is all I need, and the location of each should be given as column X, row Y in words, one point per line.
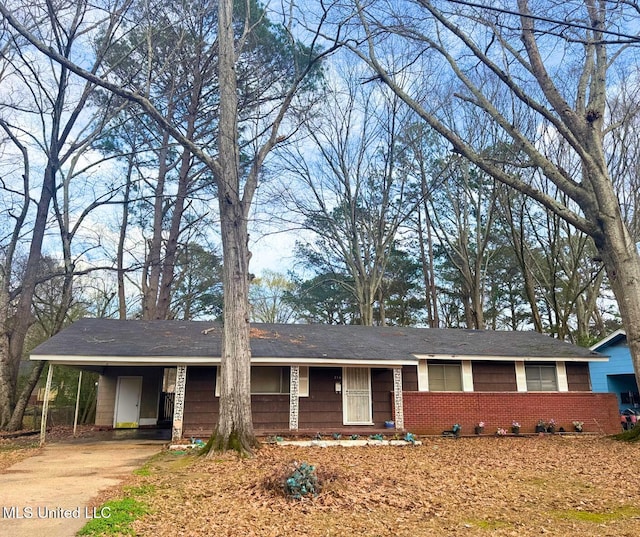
column 185, row 339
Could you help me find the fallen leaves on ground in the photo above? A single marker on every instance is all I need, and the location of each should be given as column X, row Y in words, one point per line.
column 470, row 486
column 10, row 453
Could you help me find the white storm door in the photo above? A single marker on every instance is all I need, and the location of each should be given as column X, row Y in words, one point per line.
column 127, row 412
column 356, row 396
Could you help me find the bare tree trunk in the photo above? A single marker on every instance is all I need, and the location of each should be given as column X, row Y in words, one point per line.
column 516, row 226
column 90, row 408
column 426, row 258
column 622, row 263
column 66, row 298
column 122, row 301
column 6, row 392
column 382, row 321
column 163, row 303
column 6, row 365
column 23, row 318
column 153, row 261
column 58, row 324
column 171, row 246
column 366, row 300
column 235, row 425
column 586, row 309
column 17, row 416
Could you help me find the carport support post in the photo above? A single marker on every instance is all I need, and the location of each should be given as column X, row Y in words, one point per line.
column 75, row 416
column 294, row 397
column 45, row 406
column 397, row 398
column 178, row 405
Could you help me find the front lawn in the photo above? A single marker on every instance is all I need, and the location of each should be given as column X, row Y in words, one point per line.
column 583, row 486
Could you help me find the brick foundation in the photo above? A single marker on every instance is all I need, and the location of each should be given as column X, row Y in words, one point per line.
column 434, row 412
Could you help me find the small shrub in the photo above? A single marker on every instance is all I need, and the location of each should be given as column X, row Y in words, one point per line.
column 410, row 437
column 303, row 481
column 298, row 480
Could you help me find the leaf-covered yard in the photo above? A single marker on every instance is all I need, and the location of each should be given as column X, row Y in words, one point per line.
column 471, row 486
column 13, row 451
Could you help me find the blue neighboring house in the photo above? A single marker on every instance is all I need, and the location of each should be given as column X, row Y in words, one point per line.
column 616, row 375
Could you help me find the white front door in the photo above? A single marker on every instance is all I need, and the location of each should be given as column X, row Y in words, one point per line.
column 127, row 412
column 356, row 396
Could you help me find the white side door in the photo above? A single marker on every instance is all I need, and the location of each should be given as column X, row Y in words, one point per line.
column 127, row 411
column 356, row 396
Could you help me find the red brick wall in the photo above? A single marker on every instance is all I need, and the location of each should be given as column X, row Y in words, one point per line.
column 434, row 412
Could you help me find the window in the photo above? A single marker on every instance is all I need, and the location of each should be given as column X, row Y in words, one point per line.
column 269, row 380
column 272, row 380
column 541, row 377
column 445, row 377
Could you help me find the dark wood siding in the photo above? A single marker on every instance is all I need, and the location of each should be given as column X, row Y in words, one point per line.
column 200, row 403
column 410, row 378
column 494, row 377
column 382, row 395
column 270, row 412
column 322, row 410
column 578, row 376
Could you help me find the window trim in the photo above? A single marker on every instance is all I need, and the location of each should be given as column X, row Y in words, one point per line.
column 539, row 366
column 457, row 365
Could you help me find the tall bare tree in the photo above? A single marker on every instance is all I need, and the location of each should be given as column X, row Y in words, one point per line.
column 43, row 115
column 464, row 209
column 421, row 158
column 561, row 100
column 352, row 192
column 236, row 185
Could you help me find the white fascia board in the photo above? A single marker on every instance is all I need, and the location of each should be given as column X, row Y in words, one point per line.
column 606, row 340
column 212, row 360
column 345, row 362
column 511, row 358
column 126, row 360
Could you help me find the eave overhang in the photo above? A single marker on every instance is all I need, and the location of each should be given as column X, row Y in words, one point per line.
column 169, row 361
column 484, row 358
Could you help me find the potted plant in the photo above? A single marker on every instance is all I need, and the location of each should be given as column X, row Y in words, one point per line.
column 541, row 426
column 577, row 426
column 551, row 426
column 515, row 427
column 480, row 427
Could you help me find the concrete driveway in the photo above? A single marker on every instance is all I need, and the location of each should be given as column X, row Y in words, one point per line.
column 47, row 495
